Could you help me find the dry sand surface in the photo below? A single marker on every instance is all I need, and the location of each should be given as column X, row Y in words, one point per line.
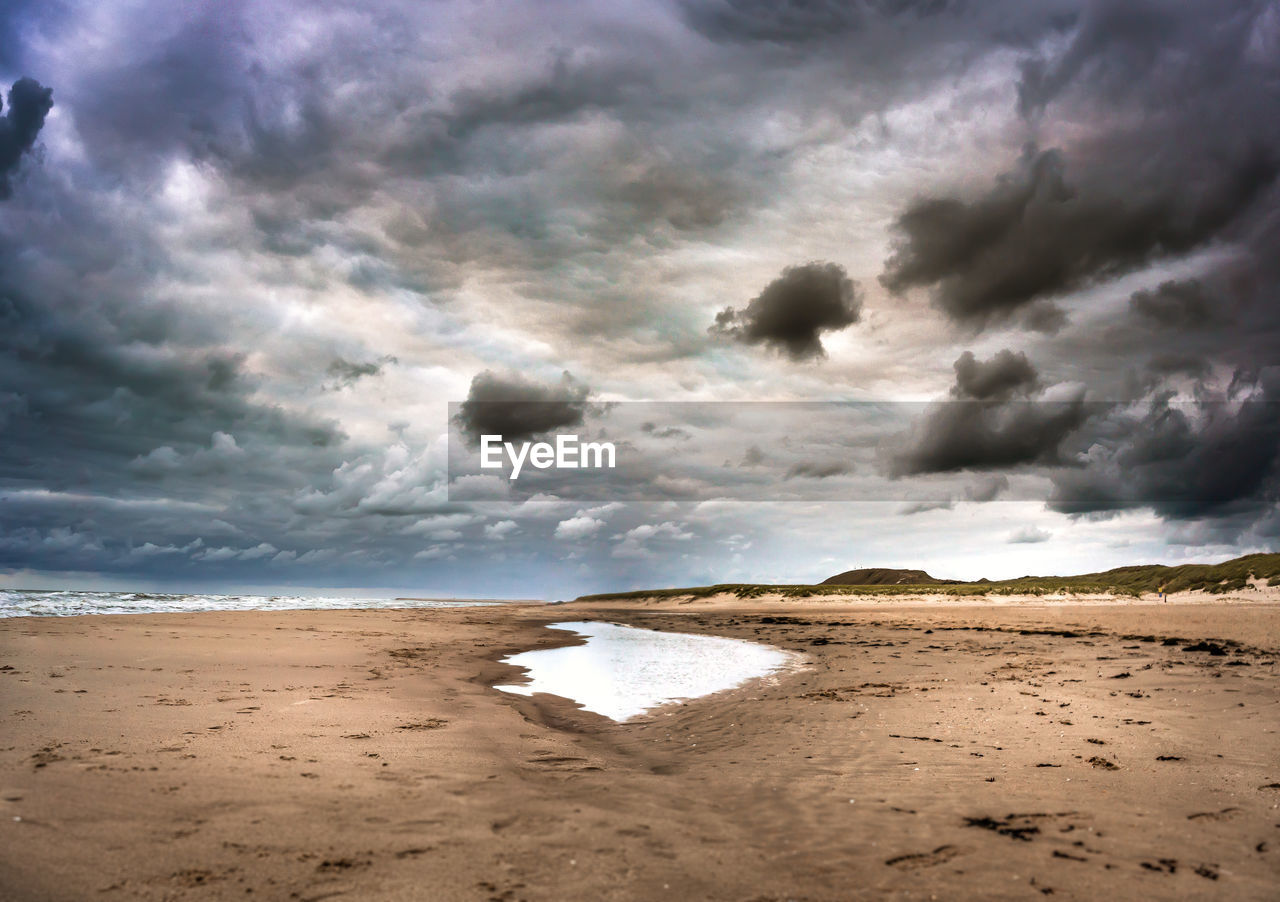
column 946, row 750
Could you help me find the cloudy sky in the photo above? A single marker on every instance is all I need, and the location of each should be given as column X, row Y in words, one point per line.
column 250, row 253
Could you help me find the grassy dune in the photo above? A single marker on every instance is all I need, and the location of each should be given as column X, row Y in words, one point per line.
column 1229, row 576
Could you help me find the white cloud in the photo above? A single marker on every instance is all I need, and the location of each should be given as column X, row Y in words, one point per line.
column 157, row 462
column 396, row 480
column 221, row 453
column 500, row 530
column 578, row 528
column 265, row 549
column 435, row 552
column 1029, row 535
column 213, row 555
column 442, row 527
column 633, row 544
column 317, row 555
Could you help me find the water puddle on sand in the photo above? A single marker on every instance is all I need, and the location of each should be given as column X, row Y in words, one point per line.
column 623, row 671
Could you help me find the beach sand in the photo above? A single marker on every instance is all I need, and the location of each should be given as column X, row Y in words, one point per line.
column 949, row 750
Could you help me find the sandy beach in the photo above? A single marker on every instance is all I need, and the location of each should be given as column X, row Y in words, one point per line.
column 948, row 750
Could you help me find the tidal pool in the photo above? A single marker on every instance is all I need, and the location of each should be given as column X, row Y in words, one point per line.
column 623, row 671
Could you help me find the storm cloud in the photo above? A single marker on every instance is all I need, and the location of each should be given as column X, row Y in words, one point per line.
column 1185, row 460
column 993, row 424
column 1174, row 305
column 29, row 104
column 999, row 378
column 794, row 310
column 1183, row 157
column 1035, row 236
column 252, row 255
column 970, row 435
column 517, row 408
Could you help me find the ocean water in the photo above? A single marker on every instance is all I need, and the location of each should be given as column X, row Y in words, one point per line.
column 34, row 603
column 623, row 671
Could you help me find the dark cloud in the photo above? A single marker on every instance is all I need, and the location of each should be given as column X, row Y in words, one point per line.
column 29, row 103
column 794, row 310
column 232, row 193
column 517, row 408
column 1044, row 316
column 569, row 87
column 133, row 420
column 18, row 20
column 674, row 432
column 1184, row 461
column 976, row 435
column 1174, row 305
column 344, row 373
column 987, row 488
column 1222, row 322
column 1036, row 236
column 788, row 22
column 1122, row 38
column 988, row 427
column 1181, row 154
column 817, row 470
column 186, row 85
column 1174, row 362
column 1135, row 51
column 999, row 378
column 800, row 22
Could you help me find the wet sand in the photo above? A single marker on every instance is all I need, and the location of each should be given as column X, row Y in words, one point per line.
column 927, row 750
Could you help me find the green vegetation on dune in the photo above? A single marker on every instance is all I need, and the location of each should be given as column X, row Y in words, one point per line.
column 883, row 576
column 1229, row 576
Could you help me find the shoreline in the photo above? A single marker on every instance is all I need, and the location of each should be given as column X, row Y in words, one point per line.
column 925, row 749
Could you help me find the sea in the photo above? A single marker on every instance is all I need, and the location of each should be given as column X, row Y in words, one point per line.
column 69, row 603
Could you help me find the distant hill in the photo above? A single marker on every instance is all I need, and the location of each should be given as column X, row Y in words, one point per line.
column 1229, row 576
column 880, row 576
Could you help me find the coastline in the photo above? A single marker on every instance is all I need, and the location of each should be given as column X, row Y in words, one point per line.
column 927, row 748
column 1266, row 595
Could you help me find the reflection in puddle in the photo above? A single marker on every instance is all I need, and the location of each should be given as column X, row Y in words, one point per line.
column 623, row 671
